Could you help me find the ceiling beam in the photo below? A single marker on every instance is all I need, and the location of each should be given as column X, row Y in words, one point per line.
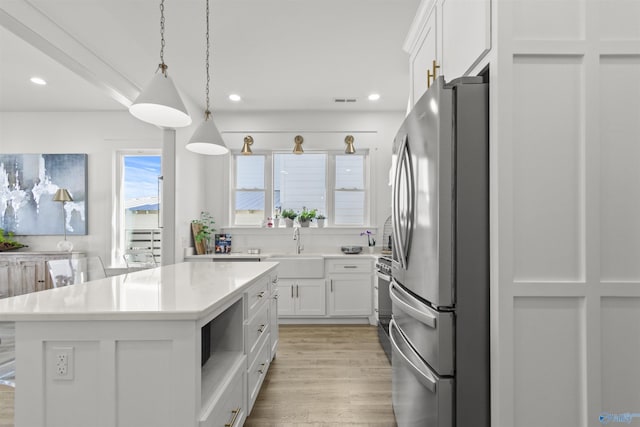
column 30, row 24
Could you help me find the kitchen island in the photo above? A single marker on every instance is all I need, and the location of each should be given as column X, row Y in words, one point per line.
column 170, row 346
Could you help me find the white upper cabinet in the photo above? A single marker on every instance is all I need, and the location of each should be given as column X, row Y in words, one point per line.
column 447, row 37
column 422, row 45
column 466, row 35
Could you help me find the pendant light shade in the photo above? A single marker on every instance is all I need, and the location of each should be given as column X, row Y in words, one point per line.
column 160, row 104
column 206, row 139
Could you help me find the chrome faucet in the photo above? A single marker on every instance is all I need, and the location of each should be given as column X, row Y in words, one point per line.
column 296, row 237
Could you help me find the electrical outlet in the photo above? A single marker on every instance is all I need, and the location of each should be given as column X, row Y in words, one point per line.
column 63, row 363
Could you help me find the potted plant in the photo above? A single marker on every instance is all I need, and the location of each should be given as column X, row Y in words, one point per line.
column 370, row 240
column 320, row 220
column 306, row 216
column 7, row 243
column 202, row 230
column 289, row 215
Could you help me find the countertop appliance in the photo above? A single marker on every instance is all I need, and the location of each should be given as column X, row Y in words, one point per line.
column 440, row 270
column 383, row 280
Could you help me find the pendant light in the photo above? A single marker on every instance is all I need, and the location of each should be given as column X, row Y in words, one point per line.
column 350, row 149
column 207, row 139
column 160, row 103
column 297, row 149
column 248, row 142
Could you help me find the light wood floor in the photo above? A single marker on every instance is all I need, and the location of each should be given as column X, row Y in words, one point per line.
column 326, row 376
column 322, row 376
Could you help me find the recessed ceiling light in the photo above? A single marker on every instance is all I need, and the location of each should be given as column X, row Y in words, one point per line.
column 38, row 81
column 374, row 97
column 234, row 97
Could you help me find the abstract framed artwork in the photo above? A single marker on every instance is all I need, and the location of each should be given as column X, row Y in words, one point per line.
column 28, row 183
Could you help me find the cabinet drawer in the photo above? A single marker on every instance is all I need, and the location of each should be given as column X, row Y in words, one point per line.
column 256, row 373
column 257, row 294
column 349, row 266
column 257, row 329
column 229, row 410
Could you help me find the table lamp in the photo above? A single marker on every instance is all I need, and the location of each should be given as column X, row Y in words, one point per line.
column 62, row 195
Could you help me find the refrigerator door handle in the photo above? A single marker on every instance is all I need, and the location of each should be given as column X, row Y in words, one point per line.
column 397, row 240
column 424, row 377
column 408, row 176
column 423, row 316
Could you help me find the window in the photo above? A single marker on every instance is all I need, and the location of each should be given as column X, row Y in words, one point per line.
column 250, row 192
column 349, row 194
column 138, row 204
column 299, row 181
column 333, row 183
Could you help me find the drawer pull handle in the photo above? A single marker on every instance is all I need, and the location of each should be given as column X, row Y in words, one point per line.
column 235, row 413
column 261, row 294
column 261, row 370
column 40, row 281
column 261, row 328
column 350, row 266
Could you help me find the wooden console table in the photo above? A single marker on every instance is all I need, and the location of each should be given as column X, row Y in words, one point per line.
column 22, row 272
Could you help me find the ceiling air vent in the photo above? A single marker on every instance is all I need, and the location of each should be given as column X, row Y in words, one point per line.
column 345, row 100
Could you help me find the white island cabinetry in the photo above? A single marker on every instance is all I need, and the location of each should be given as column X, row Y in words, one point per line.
column 165, row 347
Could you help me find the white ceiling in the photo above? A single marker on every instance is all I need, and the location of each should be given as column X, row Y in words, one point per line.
column 277, row 54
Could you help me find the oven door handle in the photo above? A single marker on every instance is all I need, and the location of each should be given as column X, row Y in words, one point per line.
column 383, row 276
column 396, row 293
column 423, row 376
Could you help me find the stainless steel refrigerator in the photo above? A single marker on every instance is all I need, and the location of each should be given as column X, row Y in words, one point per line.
column 440, row 269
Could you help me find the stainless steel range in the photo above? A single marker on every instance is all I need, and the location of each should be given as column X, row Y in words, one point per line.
column 383, row 273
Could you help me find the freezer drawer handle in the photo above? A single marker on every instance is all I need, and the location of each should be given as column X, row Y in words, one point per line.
column 426, row 379
column 423, row 316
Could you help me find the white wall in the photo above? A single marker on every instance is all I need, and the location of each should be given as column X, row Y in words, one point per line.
column 100, row 135
column 201, row 181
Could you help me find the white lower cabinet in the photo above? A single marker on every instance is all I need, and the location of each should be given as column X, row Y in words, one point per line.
column 350, row 296
column 350, row 289
column 274, row 335
column 301, row 297
column 230, row 409
column 344, row 294
column 257, row 371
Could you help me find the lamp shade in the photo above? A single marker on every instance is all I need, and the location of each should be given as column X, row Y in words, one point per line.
column 160, row 104
column 207, row 140
column 62, row 195
column 246, row 147
column 349, row 149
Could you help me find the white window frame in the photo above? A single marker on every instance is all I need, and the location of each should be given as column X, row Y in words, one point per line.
column 330, row 182
column 119, row 234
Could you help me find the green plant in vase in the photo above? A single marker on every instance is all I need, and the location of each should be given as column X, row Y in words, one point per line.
column 306, row 216
column 289, row 215
column 202, row 230
column 320, row 220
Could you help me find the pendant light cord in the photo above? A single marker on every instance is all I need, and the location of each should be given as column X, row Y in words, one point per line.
column 162, row 65
column 207, row 112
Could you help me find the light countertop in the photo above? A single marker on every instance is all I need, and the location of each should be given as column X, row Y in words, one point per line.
column 186, row 291
column 266, row 255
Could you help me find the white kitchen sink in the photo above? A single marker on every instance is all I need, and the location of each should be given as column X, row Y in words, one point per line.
column 299, row 266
